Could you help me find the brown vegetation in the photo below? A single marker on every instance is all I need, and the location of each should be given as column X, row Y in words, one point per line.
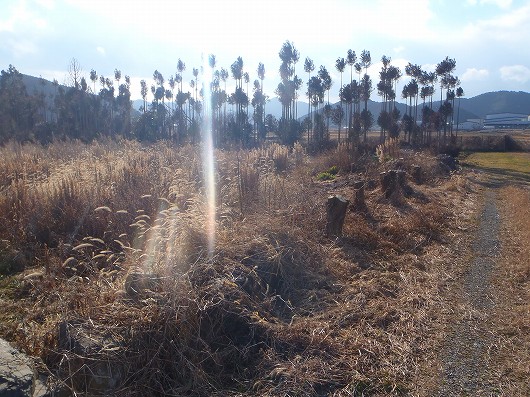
column 511, row 318
column 279, row 309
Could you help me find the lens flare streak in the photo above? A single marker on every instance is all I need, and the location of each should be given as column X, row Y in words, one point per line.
column 208, row 157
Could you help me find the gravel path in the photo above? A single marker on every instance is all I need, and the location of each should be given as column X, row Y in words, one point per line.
column 467, row 350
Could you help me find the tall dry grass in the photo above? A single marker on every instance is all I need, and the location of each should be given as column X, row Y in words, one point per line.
column 279, row 308
column 135, row 194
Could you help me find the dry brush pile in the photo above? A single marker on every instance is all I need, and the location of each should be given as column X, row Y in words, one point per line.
column 112, row 286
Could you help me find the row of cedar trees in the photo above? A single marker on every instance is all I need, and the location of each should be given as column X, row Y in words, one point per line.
column 77, row 112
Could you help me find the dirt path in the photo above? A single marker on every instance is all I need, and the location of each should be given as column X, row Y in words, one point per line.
column 485, row 346
column 468, row 347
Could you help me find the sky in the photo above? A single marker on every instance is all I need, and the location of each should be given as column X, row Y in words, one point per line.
column 487, row 38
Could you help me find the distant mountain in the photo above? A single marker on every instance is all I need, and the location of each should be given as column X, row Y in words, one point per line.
column 37, row 86
column 274, row 107
column 137, row 104
column 498, row 102
column 464, row 113
column 470, row 108
column 375, row 108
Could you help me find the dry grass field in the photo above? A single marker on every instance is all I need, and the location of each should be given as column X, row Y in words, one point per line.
column 104, row 263
column 511, row 317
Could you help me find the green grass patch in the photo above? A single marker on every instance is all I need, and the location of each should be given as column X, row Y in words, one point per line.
column 333, row 170
column 329, row 174
column 502, row 161
column 325, row 176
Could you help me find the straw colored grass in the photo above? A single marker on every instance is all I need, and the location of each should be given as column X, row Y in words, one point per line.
column 278, row 310
column 511, row 320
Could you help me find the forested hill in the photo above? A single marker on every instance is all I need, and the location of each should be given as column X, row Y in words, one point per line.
column 35, row 85
column 498, row 102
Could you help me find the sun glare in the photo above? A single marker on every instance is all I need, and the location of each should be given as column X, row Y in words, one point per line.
column 208, row 156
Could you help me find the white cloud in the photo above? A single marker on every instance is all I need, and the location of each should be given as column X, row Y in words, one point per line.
column 474, row 74
column 21, row 29
column 429, row 67
column 12, row 16
column 210, row 25
column 399, row 49
column 21, row 47
column 48, row 4
column 21, row 18
column 101, row 50
column 518, row 73
column 498, row 3
column 394, row 15
column 512, row 26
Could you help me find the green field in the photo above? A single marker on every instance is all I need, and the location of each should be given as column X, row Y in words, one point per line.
column 516, row 166
column 516, row 162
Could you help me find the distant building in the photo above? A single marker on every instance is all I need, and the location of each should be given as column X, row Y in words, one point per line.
column 507, row 120
column 471, row 125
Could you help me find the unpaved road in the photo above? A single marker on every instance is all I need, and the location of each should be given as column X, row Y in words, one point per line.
column 470, row 343
column 473, row 358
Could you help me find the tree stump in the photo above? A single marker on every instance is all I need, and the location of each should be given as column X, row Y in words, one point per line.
column 416, row 174
column 336, row 207
column 403, row 183
column 359, row 204
column 394, row 184
column 401, row 179
column 388, row 182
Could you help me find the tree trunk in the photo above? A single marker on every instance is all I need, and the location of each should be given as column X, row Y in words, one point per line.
column 336, row 207
column 458, row 117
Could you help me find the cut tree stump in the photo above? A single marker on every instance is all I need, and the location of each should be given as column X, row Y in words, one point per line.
column 403, row 183
column 401, row 178
column 416, row 174
column 359, row 203
column 388, row 182
column 394, row 184
column 336, row 207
